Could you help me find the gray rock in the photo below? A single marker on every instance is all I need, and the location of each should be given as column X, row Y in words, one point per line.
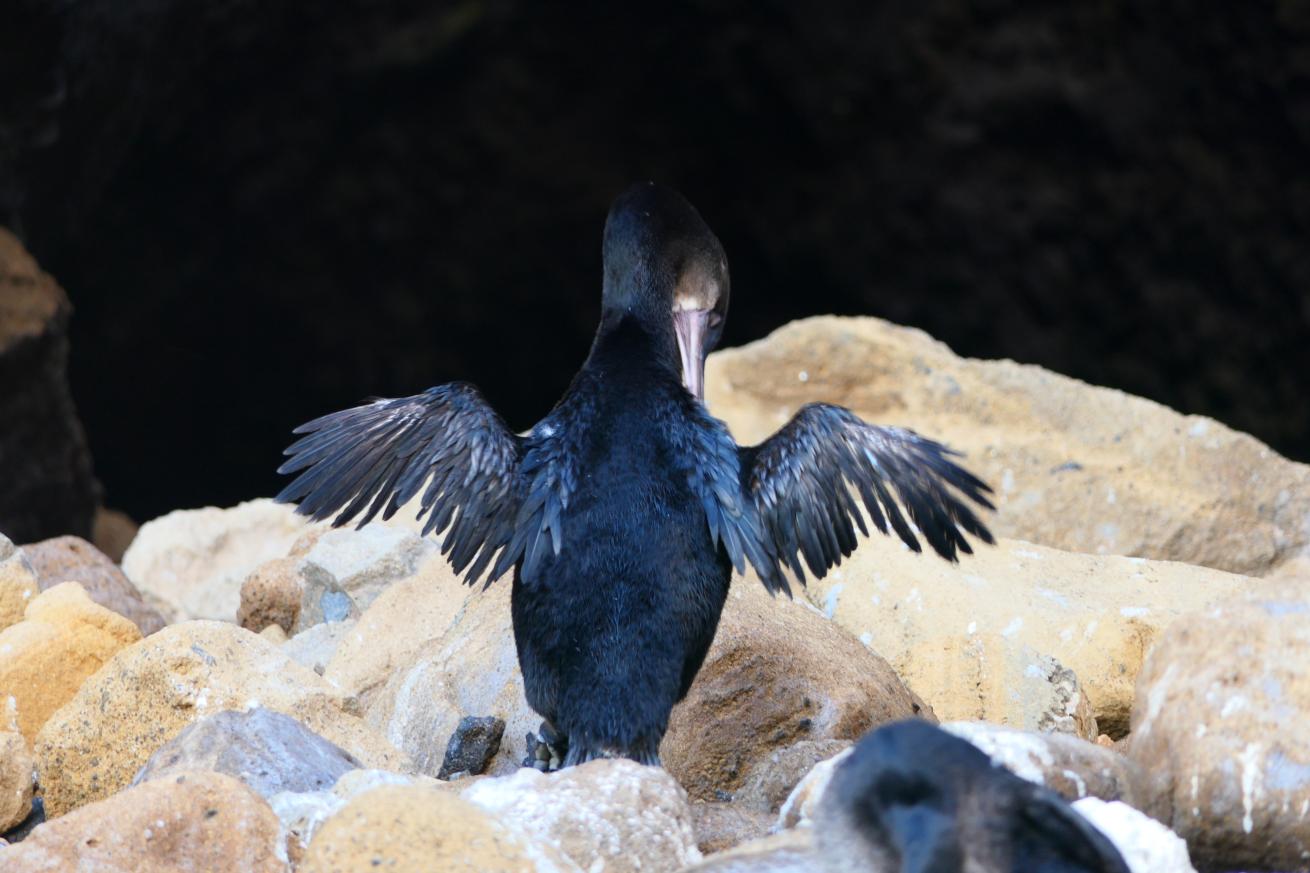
column 472, row 746
column 267, row 750
column 346, row 570
column 315, row 646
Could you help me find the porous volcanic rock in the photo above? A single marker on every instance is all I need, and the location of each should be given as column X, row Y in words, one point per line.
column 777, row 673
column 1075, row 467
column 17, row 772
column 46, row 658
column 1221, row 725
column 192, row 821
column 149, row 692
column 73, row 559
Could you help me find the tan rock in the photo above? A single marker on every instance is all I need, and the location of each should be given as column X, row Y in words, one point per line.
column 777, row 673
column 346, row 570
column 790, row 851
column 416, row 829
column 1222, row 726
column 965, row 635
column 17, row 770
column 17, row 583
column 612, row 815
column 1076, row 467
column 314, row 647
column 801, row 805
column 772, row 780
column 196, row 559
column 720, row 826
column 194, row 821
column 270, row 595
column 112, row 532
column 471, row 669
column 147, row 694
column 408, row 615
column 73, row 559
column 46, row 658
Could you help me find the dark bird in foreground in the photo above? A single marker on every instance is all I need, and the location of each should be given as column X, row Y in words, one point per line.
column 913, row 798
column 623, row 511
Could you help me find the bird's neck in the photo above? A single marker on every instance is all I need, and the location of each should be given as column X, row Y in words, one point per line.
column 628, row 343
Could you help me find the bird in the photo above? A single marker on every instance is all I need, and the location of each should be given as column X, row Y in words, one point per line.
column 623, row 512
column 913, row 798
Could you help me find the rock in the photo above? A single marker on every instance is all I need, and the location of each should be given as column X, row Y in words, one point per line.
column 302, row 813
column 193, row 821
column 613, row 815
column 45, row 465
column 346, row 570
column 72, row 559
column 19, row 832
column 143, row 698
column 112, row 532
column 800, row 806
column 196, row 559
column 1076, row 467
column 47, row 657
column 407, row 616
column 1071, row 767
column 790, row 851
column 471, row 669
column 474, row 743
column 777, row 673
column 966, row 635
column 18, row 584
column 314, row 647
column 270, row 596
column 772, row 780
column 16, row 779
column 1221, row 725
column 267, row 750
column 720, row 826
column 416, row 829
column 274, row 634
column 1147, row 845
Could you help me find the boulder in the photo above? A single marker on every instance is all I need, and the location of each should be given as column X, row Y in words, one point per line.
column 18, row 583
column 47, row 657
column 149, row 692
column 777, row 673
column 1146, row 845
column 191, row 821
column 270, row 596
column 196, row 559
column 790, row 851
column 472, row 746
column 1075, row 467
column 470, row 670
column 302, row 813
column 720, row 826
column 45, row 464
column 314, row 647
column 1221, row 725
column 799, row 809
column 73, row 559
column 267, row 750
column 973, row 637
column 416, row 829
column 613, row 815
column 772, row 780
column 17, row 770
column 345, row 570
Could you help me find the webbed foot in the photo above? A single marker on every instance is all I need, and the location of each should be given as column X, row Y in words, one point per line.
column 546, row 749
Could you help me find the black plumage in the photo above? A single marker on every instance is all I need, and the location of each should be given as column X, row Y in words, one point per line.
column 912, row 798
column 623, row 511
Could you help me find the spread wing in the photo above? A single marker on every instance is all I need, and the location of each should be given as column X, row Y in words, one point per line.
column 801, row 480
column 446, row 443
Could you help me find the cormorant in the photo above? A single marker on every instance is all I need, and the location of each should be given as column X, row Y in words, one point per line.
column 913, row 798
column 624, row 510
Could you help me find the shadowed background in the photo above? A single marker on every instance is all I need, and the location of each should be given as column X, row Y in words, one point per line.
column 267, row 211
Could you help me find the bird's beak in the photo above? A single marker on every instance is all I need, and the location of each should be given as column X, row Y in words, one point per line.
column 689, row 326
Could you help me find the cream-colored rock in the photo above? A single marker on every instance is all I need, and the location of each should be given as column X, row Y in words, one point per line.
column 195, row 560
column 45, row 658
column 611, row 815
column 1146, row 845
column 302, row 813
column 803, row 802
column 17, row 770
column 471, row 669
column 314, row 647
column 193, row 821
column 961, row 634
column 18, row 583
column 149, row 692
column 1075, row 467
column 790, row 851
column 777, row 673
column 720, row 826
column 1221, row 724
column 346, row 570
column 416, row 829
column 408, row 615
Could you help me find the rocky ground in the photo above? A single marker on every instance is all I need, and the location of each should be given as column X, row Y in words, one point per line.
column 247, row 691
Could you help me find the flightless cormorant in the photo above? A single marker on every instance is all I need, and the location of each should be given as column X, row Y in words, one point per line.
column 914, row 798
column 624, row 510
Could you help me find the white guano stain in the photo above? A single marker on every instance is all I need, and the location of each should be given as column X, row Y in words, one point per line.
column 1015, row 625
column 1249, row 761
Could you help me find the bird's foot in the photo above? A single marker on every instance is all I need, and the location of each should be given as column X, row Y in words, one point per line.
column 546, row 748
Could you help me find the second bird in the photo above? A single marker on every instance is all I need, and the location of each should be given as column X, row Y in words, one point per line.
column 623, row 512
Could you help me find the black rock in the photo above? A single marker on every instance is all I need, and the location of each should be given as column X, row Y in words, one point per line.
column 472, row 746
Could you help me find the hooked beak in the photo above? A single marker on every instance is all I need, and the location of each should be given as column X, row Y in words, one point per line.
column 689, row 326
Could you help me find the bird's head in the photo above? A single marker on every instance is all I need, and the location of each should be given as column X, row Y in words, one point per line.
column 665, row 267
